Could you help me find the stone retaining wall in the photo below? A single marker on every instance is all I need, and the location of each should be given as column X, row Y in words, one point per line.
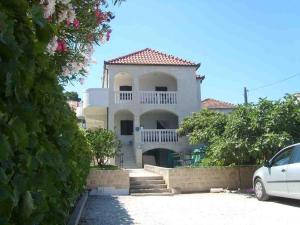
column 108, row 181
column 187, row 180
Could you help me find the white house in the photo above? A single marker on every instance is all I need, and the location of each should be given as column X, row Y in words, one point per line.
column 144, row 97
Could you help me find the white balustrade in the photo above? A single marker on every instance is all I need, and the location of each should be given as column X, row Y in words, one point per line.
column 123, row 97
column 159, row 135
column 158, row 97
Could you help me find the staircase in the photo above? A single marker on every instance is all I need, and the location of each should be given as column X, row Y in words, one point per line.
column 128, row 157
column 145, row 183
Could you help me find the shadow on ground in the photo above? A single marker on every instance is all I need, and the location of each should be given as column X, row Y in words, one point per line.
column 286, row 201
column 105, row 210
column 283, row 201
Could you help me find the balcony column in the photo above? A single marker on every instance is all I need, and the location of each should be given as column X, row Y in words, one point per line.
column 111, row 126
column 137, row 141
column 135, row 90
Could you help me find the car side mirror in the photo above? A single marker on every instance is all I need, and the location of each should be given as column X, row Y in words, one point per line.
column 268, row 164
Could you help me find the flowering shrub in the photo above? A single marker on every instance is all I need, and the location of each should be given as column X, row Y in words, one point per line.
column 78, row 25
column 104, row 144
column 44, row 157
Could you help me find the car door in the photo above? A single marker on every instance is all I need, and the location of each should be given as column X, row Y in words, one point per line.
column 293, row 174
column 276, row 174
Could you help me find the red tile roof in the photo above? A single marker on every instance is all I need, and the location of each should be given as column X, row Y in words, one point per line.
column 149, row 56
column 210, row 103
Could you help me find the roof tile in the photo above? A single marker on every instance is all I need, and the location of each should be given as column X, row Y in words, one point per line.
column 210, row 103
column 149, row 56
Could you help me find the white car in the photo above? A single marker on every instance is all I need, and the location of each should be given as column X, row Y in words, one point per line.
column 280, row 176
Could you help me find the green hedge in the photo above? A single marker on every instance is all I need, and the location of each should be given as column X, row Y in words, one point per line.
column 44, row 158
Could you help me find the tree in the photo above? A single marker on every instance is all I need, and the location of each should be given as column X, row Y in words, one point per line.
column 72, row 96
column 250, row 134
column 44, row 157
column 104, row 144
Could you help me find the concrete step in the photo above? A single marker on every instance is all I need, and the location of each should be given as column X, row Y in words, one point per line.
column 146, row 178
column 149, row 190
column 147, row 182
column 153, row 194
column 148, row 186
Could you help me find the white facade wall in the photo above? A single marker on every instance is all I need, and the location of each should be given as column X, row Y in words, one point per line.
column 176, row 78
column 179, row 79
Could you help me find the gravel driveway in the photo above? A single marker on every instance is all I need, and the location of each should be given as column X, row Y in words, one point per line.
column 189, row 209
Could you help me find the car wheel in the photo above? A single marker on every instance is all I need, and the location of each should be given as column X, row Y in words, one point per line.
column 260, row 191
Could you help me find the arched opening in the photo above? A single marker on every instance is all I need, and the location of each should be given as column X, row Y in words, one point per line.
column 157, row 82
column 159, row 157
column 123, row 82
column 123, row 126
column 159, row 119
column 123, row 87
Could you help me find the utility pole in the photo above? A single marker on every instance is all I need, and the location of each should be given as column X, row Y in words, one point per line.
column 246, row 95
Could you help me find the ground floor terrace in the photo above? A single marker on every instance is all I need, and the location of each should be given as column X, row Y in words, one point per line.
column 147, row 136
column 204, row 208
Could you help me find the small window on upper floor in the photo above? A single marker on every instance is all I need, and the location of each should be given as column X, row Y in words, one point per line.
column 125, row 88
column 161, row 88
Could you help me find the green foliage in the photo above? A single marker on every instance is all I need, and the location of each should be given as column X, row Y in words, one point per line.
column 72, row 96
column 210, row 123
column 44, row 157
column 250, row 134
column 104, row 144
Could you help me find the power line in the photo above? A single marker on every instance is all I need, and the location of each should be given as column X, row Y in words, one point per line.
column 274, row 83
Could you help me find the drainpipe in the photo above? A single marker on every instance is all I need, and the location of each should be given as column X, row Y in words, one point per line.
column 107, row 111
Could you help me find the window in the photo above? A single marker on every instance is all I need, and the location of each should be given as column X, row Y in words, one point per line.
column 296, row 155
column 125, row 88
column 161, row 88
column 283, row 158
column 126, row 127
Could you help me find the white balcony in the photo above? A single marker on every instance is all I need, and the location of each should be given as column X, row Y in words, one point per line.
column 159, row 136
column 146, row 97
column 123, row 97
column 95, row 97
column 158, row 97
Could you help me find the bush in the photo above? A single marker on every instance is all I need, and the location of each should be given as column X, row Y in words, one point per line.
column 249, row 135
column 44, row 157
column 104, row 144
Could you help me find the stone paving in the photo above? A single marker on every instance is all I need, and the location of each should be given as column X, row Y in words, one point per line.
column 190, row 209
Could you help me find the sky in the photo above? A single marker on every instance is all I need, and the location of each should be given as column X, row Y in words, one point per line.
column 238, row 43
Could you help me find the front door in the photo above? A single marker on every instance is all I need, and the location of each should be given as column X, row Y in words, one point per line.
column 276, row 176
column 293, row 174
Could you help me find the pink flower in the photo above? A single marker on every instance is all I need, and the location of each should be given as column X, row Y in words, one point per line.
column 108, row 35
column 76, row 23
column 61, row 46
column 100, row 17
column 49, row 18
column 68, row 23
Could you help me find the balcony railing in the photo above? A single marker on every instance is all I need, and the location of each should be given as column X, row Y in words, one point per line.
column 158, row 97
column 159, row 136
column 147, row 97
column 123, row 97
